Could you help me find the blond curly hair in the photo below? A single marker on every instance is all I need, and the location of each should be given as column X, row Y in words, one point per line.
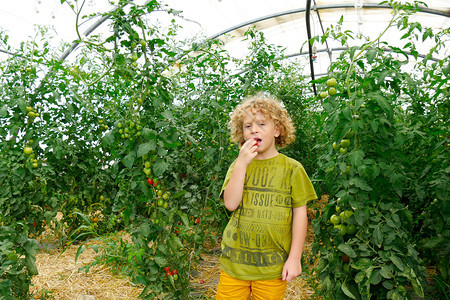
column 269, row 106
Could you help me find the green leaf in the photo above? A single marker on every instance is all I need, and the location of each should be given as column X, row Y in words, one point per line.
column 374, row 123
column 356, row 157
column 346, row 291
column 378, row 236
column 22, row 105
column 397, row 262
column 184, row 218
column 145, row 229
column 347, row 249
column 371, row 55
column 394, row 295
column 3, row 111
column 358, row 102
column 145, row 148
column 347, row 113
column 128, row 160
column 31, row 265
column 160, row 167
column 360, row 277
column 80, row 251
column 375, row 278
column 176, row 240
column 360, row 183
column 418, row 288
column 31, row 246
column 383, row 103
column 386, row 272
column 109, row 138
column 148, row 134
column 161, row 261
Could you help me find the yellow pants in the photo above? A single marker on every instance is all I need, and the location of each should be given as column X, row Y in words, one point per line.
column 236, row 289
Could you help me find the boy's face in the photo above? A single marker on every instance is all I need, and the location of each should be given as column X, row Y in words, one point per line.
column 262, row 128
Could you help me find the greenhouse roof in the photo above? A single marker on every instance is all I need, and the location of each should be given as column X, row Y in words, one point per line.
column 283, row 22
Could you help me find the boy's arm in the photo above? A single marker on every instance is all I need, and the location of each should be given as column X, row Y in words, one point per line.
column 232, row 195
column 293, row 267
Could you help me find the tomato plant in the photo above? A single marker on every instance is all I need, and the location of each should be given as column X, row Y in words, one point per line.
column 369, row 220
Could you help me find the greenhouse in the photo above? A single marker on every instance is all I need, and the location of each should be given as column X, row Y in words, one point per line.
column 180, row 149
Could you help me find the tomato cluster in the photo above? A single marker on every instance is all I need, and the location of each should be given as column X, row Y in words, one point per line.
column 173, row 273
column 343, row 145
column 129, row 129
column 331, row 89
column 32, row 114
column 30, row 153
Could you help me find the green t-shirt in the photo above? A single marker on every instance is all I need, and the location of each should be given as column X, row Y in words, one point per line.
column 257, row 239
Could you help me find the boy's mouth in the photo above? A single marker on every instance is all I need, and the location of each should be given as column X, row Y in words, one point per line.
column 257, row 141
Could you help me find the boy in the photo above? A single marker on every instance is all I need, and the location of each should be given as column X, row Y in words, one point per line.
column 267, row 193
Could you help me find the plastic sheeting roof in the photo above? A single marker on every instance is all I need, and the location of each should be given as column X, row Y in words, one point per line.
column 282, row 21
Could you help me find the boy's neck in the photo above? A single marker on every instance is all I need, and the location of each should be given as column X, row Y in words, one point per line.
column 267, row 154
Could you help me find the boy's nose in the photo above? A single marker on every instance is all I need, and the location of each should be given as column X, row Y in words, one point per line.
column 254, row 128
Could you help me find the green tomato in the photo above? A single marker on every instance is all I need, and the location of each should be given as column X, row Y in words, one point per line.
column 147, row 164
column 331, row 82
column 323, row 94
column 345, row 143
column 28, row 150
column 343, row 150
column 160, row 202
column 336, row 146
column 147, row 171
column 134, row 56
column 335, row 219
column 342, row 229
column 332, row 91
column 159, row 193
column 165, row 196
column 166, row 204
column 351, row 229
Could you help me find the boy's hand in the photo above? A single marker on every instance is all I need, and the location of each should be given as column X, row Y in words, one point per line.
column 292, row 268
column 247, row 152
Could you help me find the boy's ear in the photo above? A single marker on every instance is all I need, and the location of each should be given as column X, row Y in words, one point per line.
column 277, row 131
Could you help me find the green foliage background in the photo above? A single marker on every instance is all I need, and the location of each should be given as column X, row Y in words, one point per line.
column 140, row 104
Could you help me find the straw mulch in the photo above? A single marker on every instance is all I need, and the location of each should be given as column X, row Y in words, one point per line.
column 59, row 277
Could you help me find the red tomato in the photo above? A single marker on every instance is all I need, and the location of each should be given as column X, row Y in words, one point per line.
column 150, row 181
